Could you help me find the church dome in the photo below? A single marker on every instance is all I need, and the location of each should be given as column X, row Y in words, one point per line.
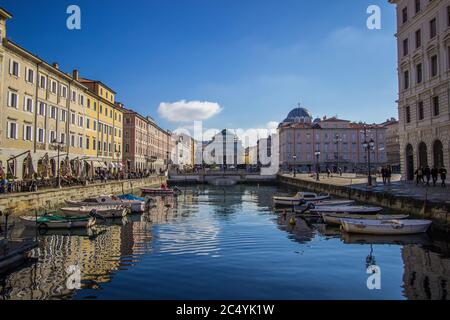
column 299, row 115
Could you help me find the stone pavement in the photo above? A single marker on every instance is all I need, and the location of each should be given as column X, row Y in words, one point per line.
column 397, row 187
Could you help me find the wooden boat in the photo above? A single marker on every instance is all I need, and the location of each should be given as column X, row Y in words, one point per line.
column 134, row 205
column 331, row 203
column 105, row 212
column 385, row 227
column 347, row 209
column 160, row 191
column 336, row 218
column 57, row 222
column 299, row 198
column 14, row 253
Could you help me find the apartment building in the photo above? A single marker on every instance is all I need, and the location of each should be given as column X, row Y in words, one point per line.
column 423, row 40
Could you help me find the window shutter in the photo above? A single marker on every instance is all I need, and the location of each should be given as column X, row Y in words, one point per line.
column 8, row 129
column 26, row 75
column 10, row 66
column 24, row 132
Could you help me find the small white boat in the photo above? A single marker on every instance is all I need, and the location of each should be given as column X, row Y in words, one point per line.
column 105, row 212
column 347, row 209
column 134, row 205
column 331, row 203
column 385, row 227
column 336, row 218
column 57, row 222
column 299, row 198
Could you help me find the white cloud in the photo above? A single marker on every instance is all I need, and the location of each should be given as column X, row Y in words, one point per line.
column 186, row 111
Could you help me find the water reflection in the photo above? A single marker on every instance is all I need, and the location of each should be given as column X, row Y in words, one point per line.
column 215, row 243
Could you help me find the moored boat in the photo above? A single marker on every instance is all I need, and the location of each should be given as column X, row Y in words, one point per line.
column 336, row 218
column 347, row 209
column 385, row 227
column 105, row 212
column 134, row 205
column 299, row 198
column 57, row 222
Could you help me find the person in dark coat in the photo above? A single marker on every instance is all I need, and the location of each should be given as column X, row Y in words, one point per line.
column 443, row 173
column 419, row 175
column 427, row 174
column 434, row 175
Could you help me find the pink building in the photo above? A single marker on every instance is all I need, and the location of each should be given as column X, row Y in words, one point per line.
column 329, row 143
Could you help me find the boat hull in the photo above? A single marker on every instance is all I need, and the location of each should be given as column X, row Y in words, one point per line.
column 376, row 227
column 63, row 224
column 347, row 209
column 106, row 213
column 336, row 219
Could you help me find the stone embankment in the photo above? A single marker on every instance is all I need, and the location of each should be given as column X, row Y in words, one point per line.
column 22, row 203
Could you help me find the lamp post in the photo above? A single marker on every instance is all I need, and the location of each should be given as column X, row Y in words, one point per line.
column 58, row 146
column 317, row 165
column 337, row 139
column 295, row 168
column 369, row 146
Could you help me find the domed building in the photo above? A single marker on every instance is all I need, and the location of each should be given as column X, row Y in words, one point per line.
column 308, row 144
column 299, row 115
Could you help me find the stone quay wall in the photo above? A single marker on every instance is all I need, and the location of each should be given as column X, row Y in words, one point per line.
column 438, row 212
column 22, row 203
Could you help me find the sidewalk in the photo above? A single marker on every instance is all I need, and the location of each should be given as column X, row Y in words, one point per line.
column 396, row 188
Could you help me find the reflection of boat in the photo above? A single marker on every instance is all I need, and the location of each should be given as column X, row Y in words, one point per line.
column 57, row 222
column 134, row 205
column 347, row 209
column 14, row 253
column 102, row 211
column 385, row 227
column 421, row 239
column 336, row 218
column 299, row 198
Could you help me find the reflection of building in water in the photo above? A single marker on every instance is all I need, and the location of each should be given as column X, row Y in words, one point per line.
column 427, row 274
column 97, row 258
column 299, row 231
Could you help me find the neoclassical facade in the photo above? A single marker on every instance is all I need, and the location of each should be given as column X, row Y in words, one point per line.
column 329, row 143
column 423, row 39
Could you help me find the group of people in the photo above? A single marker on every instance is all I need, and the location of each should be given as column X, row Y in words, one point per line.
column 424, row 175
column 386, row 174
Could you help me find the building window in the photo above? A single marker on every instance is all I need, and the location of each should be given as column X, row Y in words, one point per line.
column 405, row 14
column 43, row 82
column 448, row 16
column 29, row 77
column 408, row 114
column 95, row 126
column 63, row 138
column 88, row 143
column 73, row 120
column 42, row 109
column 28, row 104
column 13, row 99
column 27, row 132
column 95, row 106
column 12, row 130
column 420, row 110
column 14, row 68
column 72, row 140
column 80, row 142
column 64, row 92
column 74, row 96
column 88, row 123
column 52, row 136
column 434, row 66
column 418, row 38
column 406, row 79
column 433, row 28
column 63, row 115
column 419, row 73
column 54, row 87
column 405, row 47
column 41, row 135
column 436, row 106
column 82, row 100
column 94, row 144
column 80, row 121
column 417, row 6
column 54, row 112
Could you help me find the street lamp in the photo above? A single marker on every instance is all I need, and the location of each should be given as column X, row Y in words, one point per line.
column 369, row 146
column 317, row 165
column 58, row 146
column 295, row 168
column 337, row 139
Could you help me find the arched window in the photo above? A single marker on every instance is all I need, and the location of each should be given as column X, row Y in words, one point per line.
column 438, row 154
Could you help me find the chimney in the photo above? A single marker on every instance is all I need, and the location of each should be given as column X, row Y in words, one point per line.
column 75, row 75
column 56, row 65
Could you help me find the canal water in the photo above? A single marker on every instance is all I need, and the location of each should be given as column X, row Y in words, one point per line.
column 216, row 243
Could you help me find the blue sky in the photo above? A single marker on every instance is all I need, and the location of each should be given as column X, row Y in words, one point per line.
column 255, row 59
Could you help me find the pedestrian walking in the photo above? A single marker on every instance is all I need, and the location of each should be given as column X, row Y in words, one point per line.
column 383, row 175
column 419, row 175
column 443, row 173
column 434, row 175
column 427, row 175
column 388, row 174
